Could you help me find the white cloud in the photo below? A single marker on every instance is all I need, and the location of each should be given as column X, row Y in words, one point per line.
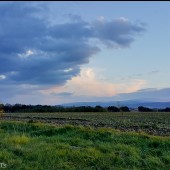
column 26, row 54
column 101, row 18
column 88, row 84
column 123, row 19
column 68, row 70
column 2, row 77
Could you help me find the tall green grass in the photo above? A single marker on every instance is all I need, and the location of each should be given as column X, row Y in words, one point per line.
column 39, row 146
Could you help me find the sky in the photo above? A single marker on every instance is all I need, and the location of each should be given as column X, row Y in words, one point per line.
column 62, row 52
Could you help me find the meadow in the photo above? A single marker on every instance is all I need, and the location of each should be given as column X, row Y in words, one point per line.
column 154, row 123
column 57, row 141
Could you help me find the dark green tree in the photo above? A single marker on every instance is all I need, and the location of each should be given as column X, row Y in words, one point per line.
column 113, row 109
column 124, row 109
column 144, row 109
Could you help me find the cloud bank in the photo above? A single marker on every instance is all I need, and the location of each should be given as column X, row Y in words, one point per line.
column 88, row 85
column 35, row 52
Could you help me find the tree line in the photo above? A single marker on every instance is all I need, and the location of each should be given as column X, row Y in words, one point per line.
column 8, row 108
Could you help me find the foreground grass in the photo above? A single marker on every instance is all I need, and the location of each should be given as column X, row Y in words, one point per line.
column 39, row 146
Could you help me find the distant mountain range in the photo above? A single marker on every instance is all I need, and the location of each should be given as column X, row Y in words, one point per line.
column 151, row 97
column 129, row 103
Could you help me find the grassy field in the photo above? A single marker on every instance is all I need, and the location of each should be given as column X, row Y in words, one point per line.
column 39, row 146
column 155, row 123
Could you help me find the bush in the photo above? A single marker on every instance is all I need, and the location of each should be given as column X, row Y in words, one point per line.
column 113, row 109
column 144, row 109
column 124, row 109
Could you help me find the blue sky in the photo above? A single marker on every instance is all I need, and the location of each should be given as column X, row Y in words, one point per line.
column 60, row 52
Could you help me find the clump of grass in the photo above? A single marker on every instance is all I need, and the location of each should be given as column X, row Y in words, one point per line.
column 18, row 139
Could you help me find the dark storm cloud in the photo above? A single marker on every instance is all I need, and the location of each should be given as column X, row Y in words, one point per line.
column 119, row 32
column 33, row 51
